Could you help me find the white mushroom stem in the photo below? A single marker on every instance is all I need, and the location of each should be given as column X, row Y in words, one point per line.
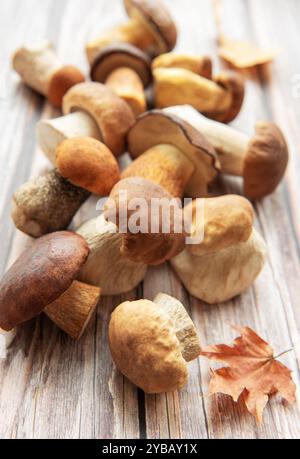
column 6, row 339
column 36, row 66
column 183, row 325
column 134, row 32
column 50, row 133
column 106, row 267
column 231, row 145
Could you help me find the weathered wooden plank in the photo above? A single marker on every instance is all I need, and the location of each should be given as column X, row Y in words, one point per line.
column 52, row 387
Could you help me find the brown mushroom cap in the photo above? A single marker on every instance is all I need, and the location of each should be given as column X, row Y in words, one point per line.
column 159, row 20
column 233, row 83
column 87, row 163
column 145, row 347
column 226, row 221
column 62, row 80
column 147, row 247
column 40, row 276
column 266, row 161
column 160, row 127
column 112, row 115
column 119, row 55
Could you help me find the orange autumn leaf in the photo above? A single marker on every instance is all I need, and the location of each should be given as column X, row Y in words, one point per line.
column 242, row 54
column 253, row 371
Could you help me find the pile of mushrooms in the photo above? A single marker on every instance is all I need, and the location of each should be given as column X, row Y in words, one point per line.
column 178, row 150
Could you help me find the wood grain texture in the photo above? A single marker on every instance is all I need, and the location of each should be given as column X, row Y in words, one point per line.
column 51, row 387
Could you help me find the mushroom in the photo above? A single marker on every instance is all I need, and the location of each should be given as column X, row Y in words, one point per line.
column 48, row 203
column 171, row 153
column 220, row 98
column 92, row 110
column 40, row 68
column 229, row 257
column 106, row 267
column 261, row 160
column 201, row 65
column 152, row 342
column 149, row 221
column 150, row 29
column 43, row 279
column 126, row 70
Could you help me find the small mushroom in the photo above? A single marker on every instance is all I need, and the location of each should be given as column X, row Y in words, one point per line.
column 152, row 342
column 230, row 256
column 220, row 98
column 43, row 279
column 106, row 267
column 150, row 28
column 131, row 206
column 48, row 203
column 201, row 65
column 92, row 110
column 171, row 153
column 40, row 69
column 261, row 160
column 126, row 70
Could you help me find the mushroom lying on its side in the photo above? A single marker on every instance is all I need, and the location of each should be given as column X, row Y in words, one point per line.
column 151, row 343
column 150, row 28
column 106, row 267
column 48, row 203
column 229, row 258
column 172, row 154
column 261, row 160
column 40, row 69
column 91, row 110
column 180, row 83
column 43, row 279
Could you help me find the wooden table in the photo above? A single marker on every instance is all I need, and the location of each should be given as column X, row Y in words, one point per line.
column 51, row 387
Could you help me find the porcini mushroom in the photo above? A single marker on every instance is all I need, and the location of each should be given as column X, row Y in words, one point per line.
column 261, row 160
column 92, row 110
column 126, row 70
column 220, row 98
column 150, row 28
column 229, row 257
column 48, row 203
column 172, row 154
column 152, row 342
column 149, row 220
column 201, row 65
column 6, row 339
column 40, row 68
column 43, row 279
column 106, row 267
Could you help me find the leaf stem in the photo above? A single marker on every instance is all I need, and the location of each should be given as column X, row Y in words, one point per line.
column 283, row 353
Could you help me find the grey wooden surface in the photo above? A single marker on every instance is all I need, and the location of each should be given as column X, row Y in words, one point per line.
column 51, row 387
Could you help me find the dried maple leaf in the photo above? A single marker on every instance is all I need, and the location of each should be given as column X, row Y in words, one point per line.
column 253, row 372
column 242, row 54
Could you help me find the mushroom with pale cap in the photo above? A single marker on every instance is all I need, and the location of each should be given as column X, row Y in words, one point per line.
column 261, row 160
column 150, row 29
column 126, row 70
column 140, row 209
column 48, row 203
column 43, row 279
column 106, row 267
column 171, row 153
column 201, row 65
column 152, row 342
column 40, row 68
column 219, row 98
column 91, row 110
column 231, row 254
